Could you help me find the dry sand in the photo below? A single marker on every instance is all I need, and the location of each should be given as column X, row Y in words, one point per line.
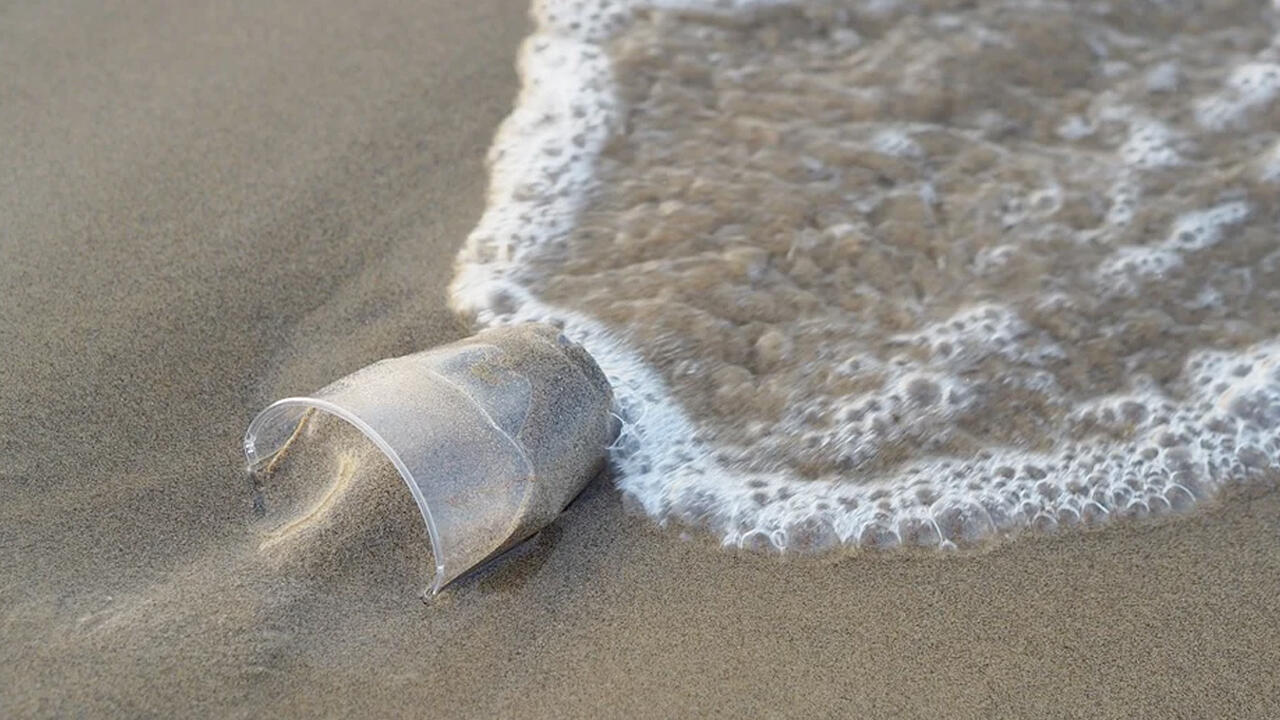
column 205, row 207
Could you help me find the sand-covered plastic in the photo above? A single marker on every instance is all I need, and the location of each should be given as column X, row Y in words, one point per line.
column 494, row 435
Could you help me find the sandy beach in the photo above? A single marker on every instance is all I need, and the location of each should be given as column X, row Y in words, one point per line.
column 206, row 208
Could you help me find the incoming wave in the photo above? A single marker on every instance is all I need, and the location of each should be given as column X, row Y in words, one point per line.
column 885, row 274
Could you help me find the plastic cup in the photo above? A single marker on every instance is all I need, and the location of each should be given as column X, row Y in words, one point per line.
column 494, row 435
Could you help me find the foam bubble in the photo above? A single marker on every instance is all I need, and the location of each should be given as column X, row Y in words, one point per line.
column 894, row 141
column 1250, row 88
column 1149, row 145
column 1129, row 267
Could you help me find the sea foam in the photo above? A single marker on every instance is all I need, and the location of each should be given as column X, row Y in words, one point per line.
column 890, row 440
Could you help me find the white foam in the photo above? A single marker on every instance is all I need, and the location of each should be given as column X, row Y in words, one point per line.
column 897, row 143
column 1155, row 452
column 976, row 333
column 1124, row 194
column 1250, row 87
column 1131, row 266
column 1203, row 229
column 1075, row 127
column 1149, row 145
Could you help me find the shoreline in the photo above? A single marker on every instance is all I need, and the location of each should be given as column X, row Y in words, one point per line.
column 175, row 272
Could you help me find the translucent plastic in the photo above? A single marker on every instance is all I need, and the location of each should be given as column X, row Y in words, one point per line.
column 493, row 435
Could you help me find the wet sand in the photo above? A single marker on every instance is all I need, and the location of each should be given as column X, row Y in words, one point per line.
column 206, row 208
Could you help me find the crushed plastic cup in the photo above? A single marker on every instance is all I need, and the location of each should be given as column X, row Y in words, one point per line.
column 494, row 435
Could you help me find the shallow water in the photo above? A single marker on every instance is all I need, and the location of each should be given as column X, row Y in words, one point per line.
column 879, row 274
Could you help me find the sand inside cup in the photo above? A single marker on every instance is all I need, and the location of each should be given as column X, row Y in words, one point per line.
column 494, row 436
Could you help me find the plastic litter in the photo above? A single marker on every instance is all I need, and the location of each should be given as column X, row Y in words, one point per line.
column 494, row 435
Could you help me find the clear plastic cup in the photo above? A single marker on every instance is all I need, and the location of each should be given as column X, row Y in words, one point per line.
column 494, row 435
